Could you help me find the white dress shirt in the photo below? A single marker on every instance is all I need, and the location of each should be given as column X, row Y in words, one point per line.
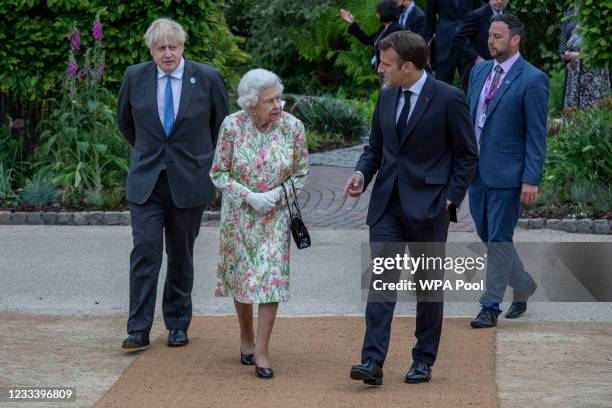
column 416, row 89
column 177, row 85
column 404, row 16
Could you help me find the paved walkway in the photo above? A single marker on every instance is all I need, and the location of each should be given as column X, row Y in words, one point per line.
column 322, row 201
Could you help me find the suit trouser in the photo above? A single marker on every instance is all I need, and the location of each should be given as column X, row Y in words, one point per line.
column 157, row 217
column 393, row 230
column 445, row 70
column 496, row 212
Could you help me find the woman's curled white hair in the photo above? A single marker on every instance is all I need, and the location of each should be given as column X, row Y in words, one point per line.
column 252, row 83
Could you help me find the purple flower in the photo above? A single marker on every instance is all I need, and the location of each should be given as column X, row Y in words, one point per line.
column 97, row 29
column 17, row 124
column 72, row 67
column 75, row 39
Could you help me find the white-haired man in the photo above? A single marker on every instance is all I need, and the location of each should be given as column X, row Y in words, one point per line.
column 170, row 110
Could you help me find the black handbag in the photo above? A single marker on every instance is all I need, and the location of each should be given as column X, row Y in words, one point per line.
column 298, row 229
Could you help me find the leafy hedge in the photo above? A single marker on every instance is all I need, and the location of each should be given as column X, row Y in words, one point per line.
column 33, row 34
column 596, row 22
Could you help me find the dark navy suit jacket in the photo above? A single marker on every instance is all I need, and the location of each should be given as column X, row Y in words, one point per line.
column 434, row 160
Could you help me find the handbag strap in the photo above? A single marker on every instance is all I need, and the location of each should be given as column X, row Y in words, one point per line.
column 295, row 202
column 287, row 199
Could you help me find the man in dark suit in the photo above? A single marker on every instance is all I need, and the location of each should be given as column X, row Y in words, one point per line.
column 443, row 17
column 411, row 17
column 508, row 100
column 471, row 39
column 170, row 111
column 423, row 147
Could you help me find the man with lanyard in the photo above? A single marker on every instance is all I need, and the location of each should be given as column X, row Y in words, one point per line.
column 508, row 99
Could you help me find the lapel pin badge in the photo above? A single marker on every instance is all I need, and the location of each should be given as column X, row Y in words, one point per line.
column 192, row 80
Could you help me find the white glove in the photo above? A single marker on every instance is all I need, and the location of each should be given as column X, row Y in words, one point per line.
column 274, row 194
column 261, row 202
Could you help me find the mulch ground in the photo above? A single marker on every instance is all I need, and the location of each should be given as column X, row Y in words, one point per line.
column 311, row 358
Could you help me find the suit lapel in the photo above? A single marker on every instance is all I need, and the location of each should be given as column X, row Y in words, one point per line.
column 515, row 71
column 150, row 84
column 389, row 109
column 476, row 88
column 420, row 107
column 189, row 82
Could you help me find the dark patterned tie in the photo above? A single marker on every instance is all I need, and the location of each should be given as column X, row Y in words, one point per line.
column 493, row 88
column 403, row 118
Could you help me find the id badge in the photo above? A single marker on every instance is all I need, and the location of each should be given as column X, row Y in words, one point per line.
column 482, row 118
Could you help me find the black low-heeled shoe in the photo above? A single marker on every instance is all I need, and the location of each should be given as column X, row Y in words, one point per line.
column 247, row 359
column 263, row 372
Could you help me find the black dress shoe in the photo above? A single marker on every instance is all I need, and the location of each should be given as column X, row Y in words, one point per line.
column 370, row 372
column 247, row 359
column 519, row 302
column 177, row 338
column 419, row 372
column 486, row 318
column 136, row 341
column 262, row 372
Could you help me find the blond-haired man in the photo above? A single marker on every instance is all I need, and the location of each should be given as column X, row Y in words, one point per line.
column 170, row 110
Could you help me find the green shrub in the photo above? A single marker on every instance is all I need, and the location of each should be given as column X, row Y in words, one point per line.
column 582, row 150
column 596, row 28
column 328, row 115
column 6, row 190
column 555, row 96
column 39, row 191
column 323, row 141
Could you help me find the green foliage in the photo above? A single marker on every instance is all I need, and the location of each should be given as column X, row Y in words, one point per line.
column 542, row 19
column 596, row 28
column 80, row 143
column 555, row 96
column 328, row 115
column 313, row 53
column 323, row 141
column 6, row 190
column 33, row 34
column 592, row 193
column 582, row 151
column 38, row 191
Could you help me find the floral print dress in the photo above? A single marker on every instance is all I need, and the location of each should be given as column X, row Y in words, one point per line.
column 253, row 264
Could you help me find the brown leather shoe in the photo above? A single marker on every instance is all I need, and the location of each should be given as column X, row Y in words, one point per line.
column 136, row 341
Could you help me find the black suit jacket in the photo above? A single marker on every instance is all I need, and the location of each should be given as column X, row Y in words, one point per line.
column 434, row 160
column 416, row 21
column 188, row 151
column 472, row 36
column 442, row 19
column 366, row 39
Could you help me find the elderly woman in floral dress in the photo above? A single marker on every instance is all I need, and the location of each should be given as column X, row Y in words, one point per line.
column 260, row 150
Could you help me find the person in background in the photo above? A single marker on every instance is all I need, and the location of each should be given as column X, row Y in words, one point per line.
column 470, row 40
column 387, row 13
column 411, row 17
column 583, row 86
column 261, row 150
column 442, row 19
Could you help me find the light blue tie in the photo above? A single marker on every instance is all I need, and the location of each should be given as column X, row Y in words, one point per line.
column 168, row 106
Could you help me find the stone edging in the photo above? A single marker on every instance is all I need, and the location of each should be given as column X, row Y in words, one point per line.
column 77, row 218
column 581, row 226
